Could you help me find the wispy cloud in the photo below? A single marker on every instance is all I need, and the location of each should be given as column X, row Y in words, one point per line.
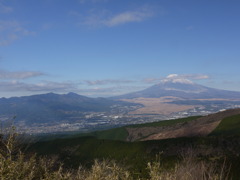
column 109, row 91
column 91, row 1
column 19, row 75
column 5, row 9
column 47, row 26
column 53, row 86
column 127, row 17
column 194, row 76
column 64, row 87
column 16, row 86
column 189, row 28
column 184, row 78
column 108, row 81
column 151, row 80
column 176, row 76
column 15, row 82
column 11, row 31
column 95, row 18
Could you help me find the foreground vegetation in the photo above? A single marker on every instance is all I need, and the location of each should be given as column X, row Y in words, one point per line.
column 104, row 155
column 15, row 165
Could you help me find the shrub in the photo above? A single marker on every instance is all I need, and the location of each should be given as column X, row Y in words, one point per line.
column 189, row 168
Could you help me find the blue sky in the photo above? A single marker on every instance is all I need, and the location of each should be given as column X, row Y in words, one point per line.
column 110, row 47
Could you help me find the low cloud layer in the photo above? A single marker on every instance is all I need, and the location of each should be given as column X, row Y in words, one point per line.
column 108, row 81
column 109, row 91
column 15, row 86
column 183, row 77
column 189, row 76
column 15, row 82
column 19, row 74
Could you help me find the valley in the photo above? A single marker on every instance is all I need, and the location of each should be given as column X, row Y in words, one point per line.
column 152, row 110
column 57, row 113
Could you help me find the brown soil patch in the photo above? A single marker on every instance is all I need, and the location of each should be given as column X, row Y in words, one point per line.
column 197, row 130
column 199, row 127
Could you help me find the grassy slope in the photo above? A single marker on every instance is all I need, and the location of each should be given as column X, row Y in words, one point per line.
column 83, row 150
column 121, row 133
column 228, row 126
column 165, row 123
column 135, row 155
column 111, row 134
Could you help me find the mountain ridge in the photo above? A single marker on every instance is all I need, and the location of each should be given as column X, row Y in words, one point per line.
column 181, row 89
column 54, row 107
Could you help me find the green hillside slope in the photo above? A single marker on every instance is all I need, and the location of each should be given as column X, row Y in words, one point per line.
column 165, row 122
column 135, row 155
column 229, row 126
column 122, row 134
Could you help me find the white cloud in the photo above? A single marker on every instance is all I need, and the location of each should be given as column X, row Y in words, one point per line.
column 184, row 78
column 177, row 78
column 188, row 76
column 127, row 17
column 11, row 31
column 172, row 76
column 19, row 75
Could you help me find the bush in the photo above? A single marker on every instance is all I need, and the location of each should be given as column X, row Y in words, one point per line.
column 189, row 168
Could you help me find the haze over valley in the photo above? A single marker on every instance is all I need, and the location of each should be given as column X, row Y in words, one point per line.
column 172, row 98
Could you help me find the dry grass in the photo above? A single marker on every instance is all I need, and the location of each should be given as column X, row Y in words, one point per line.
column 157, row 106
column 190, row 168
column 14, row 165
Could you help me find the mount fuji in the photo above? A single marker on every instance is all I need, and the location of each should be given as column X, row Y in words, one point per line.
column 181, row 88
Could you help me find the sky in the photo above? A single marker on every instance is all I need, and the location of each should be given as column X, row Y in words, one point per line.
column 102, row 48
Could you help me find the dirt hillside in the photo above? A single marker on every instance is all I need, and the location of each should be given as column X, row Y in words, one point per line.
column 199, row 127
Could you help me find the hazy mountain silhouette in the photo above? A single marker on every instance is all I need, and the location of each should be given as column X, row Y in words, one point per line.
column 53, row 107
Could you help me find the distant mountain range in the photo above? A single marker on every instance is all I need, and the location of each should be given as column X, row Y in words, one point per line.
column 46, row 108
column 181, row 89
column 181, row 96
